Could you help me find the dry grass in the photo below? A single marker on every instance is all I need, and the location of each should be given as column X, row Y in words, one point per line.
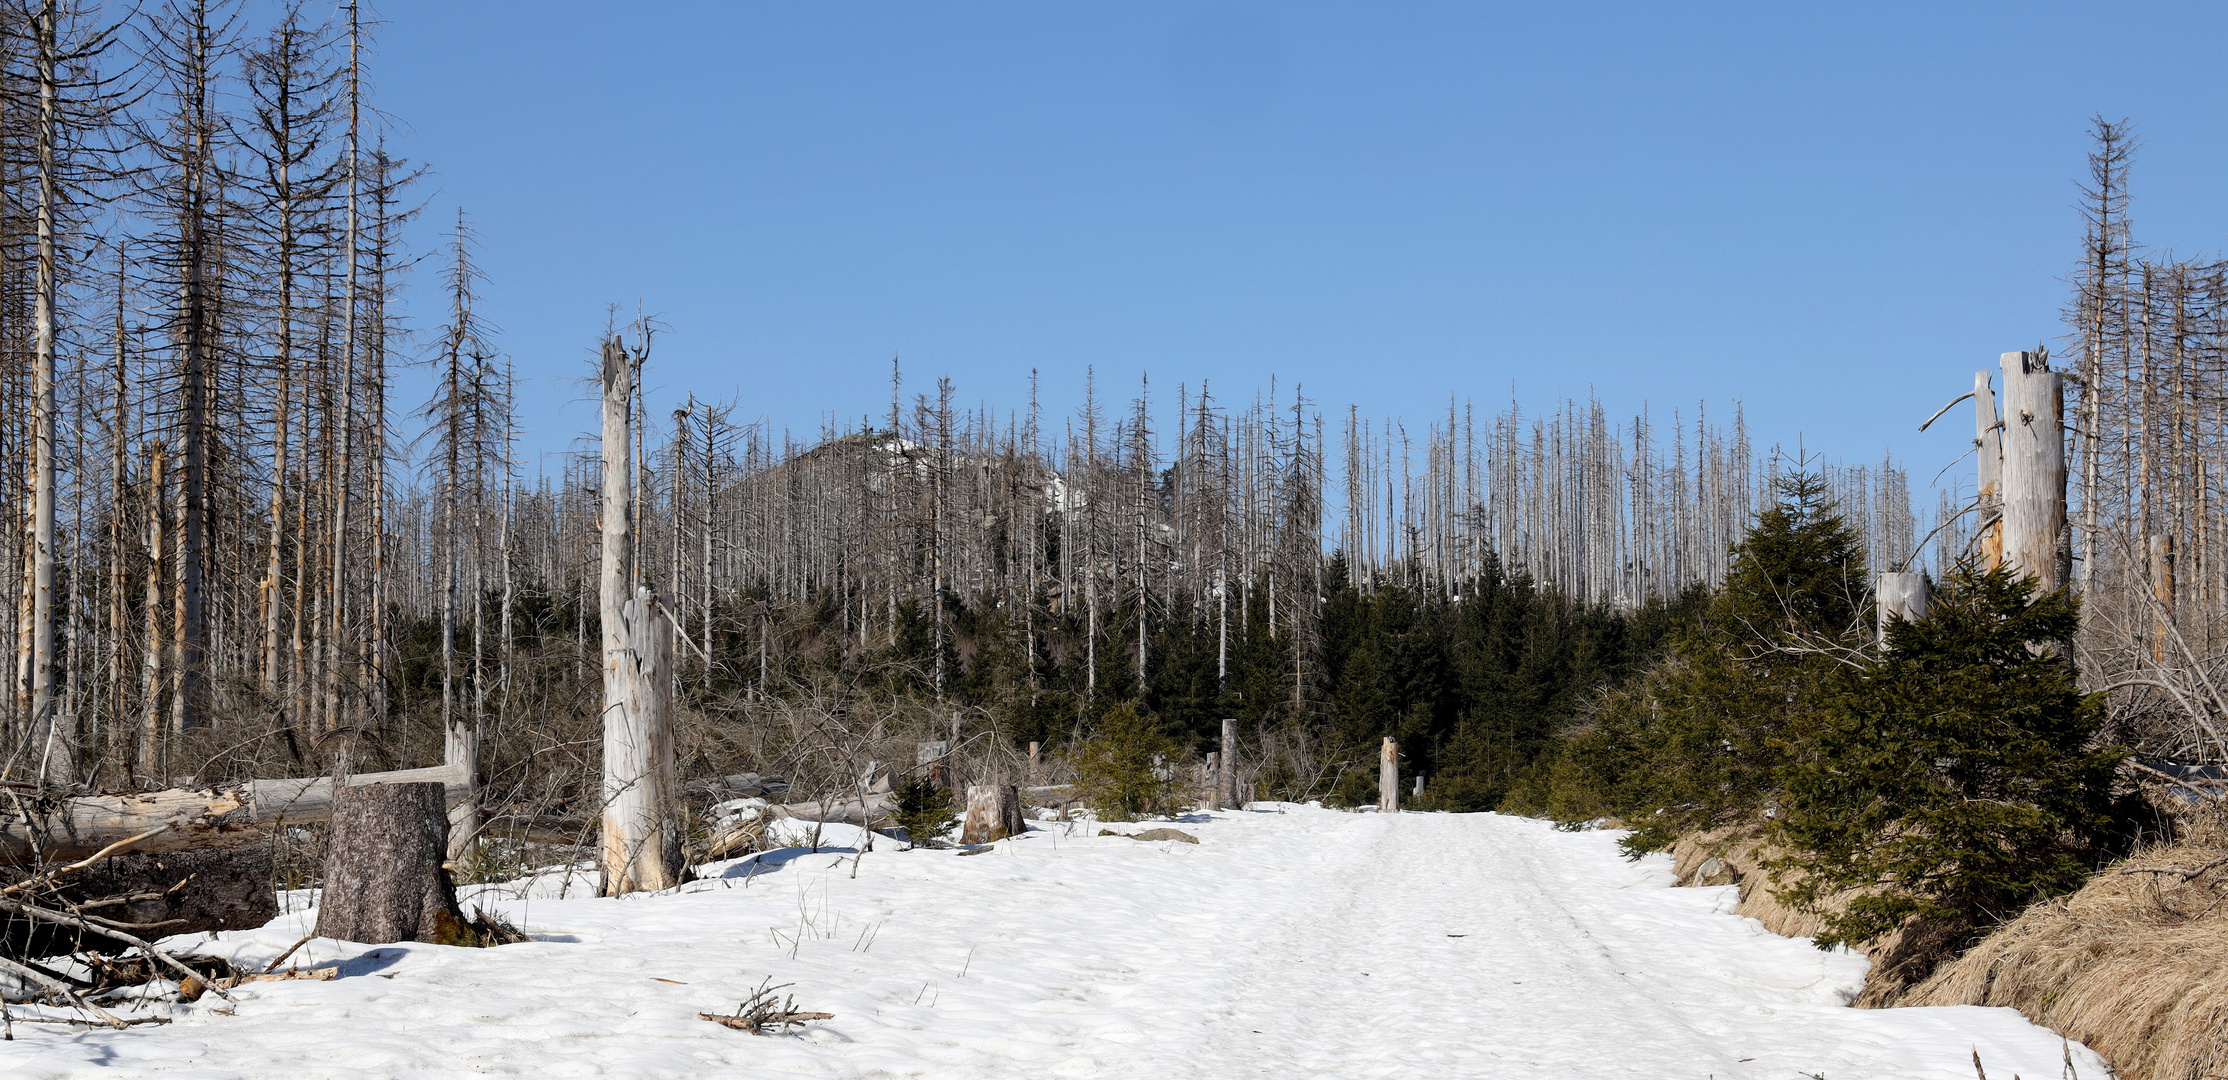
column 1899, row 960
column 2135, row 965
column 1743, row 849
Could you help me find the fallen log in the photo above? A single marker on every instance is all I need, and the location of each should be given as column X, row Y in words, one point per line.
column 36, row 829
column 867, row 813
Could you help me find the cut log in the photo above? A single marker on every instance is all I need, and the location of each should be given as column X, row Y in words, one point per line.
column 993, row 813
column 299, row 800
column 870, row 813
column 184, row 819
column 383, row 875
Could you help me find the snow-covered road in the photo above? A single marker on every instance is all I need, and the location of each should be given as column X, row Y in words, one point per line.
column 1290, row 943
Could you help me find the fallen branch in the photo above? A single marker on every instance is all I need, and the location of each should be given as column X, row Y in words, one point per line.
column 67, row 992
column 760, row 1011
column 22, row 907
column 2176, row 781
column 117, row 1022
column 281, row 958
column 2185, row 872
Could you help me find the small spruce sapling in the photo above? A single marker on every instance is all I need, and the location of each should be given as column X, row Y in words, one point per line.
column 1118, row 767
column 923, row 809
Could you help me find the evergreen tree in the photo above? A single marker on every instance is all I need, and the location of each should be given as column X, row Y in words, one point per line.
column 1119, row 768
column 1954, row 778
column 1736, row 702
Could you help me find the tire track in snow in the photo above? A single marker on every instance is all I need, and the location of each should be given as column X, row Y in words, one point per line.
column 1374, row 981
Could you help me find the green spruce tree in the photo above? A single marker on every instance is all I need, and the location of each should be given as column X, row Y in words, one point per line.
column 1736, row 701
column 1954, row 779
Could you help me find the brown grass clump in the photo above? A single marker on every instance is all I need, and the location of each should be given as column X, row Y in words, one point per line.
column 1743, row 851
column 2135, row 965
column 1899, row 959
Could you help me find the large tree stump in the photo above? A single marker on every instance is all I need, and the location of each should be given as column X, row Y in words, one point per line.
column 383, row 877
column 993, row 813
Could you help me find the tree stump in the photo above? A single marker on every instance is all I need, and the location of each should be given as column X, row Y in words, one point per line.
column 993, row 813
column 1388, row 778
column 383, row 876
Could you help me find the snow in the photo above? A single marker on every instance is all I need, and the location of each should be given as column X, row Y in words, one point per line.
column 1289, row 942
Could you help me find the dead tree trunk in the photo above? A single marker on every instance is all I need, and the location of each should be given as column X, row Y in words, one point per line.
column 1901, row 596
column 2162, row 589
column 383, row 879
column 1988, row 443
column 2034, row 475
column 1388, row 778
column 641, row 843
column 993, row 813
column 1226, row 784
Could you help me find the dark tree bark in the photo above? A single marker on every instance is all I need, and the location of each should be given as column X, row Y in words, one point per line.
column 383, row 877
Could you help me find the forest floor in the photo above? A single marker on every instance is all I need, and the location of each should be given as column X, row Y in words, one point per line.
column 1289, row 942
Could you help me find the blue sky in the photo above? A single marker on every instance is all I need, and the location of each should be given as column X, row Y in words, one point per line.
column 1832, row 214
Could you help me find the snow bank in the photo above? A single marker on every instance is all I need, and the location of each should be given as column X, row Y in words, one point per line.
column 1289, row 942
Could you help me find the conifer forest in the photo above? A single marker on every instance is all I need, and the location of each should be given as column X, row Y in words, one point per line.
column 242, row 553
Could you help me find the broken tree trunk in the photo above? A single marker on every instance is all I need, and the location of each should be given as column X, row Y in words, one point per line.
column 641, row 848
column 993, row 813
column 1901, row 596
column 1988, row 444
column 1388, row 778
column 383, row 878
column 180, row 819
column 2034, row 477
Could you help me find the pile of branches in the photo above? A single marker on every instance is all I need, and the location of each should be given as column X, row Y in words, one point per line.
column 105, row 953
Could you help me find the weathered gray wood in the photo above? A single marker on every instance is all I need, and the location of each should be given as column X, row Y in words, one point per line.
column 993, row 813
column 1900, row 596
column 1226, row 784
column 641, row 848
column 184, row 819
column 1388, row 778
column 1988, row 444
column 311, row 799
column 383, row 876
column 2034, row 477
column 873, row 811
column 641, row 836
